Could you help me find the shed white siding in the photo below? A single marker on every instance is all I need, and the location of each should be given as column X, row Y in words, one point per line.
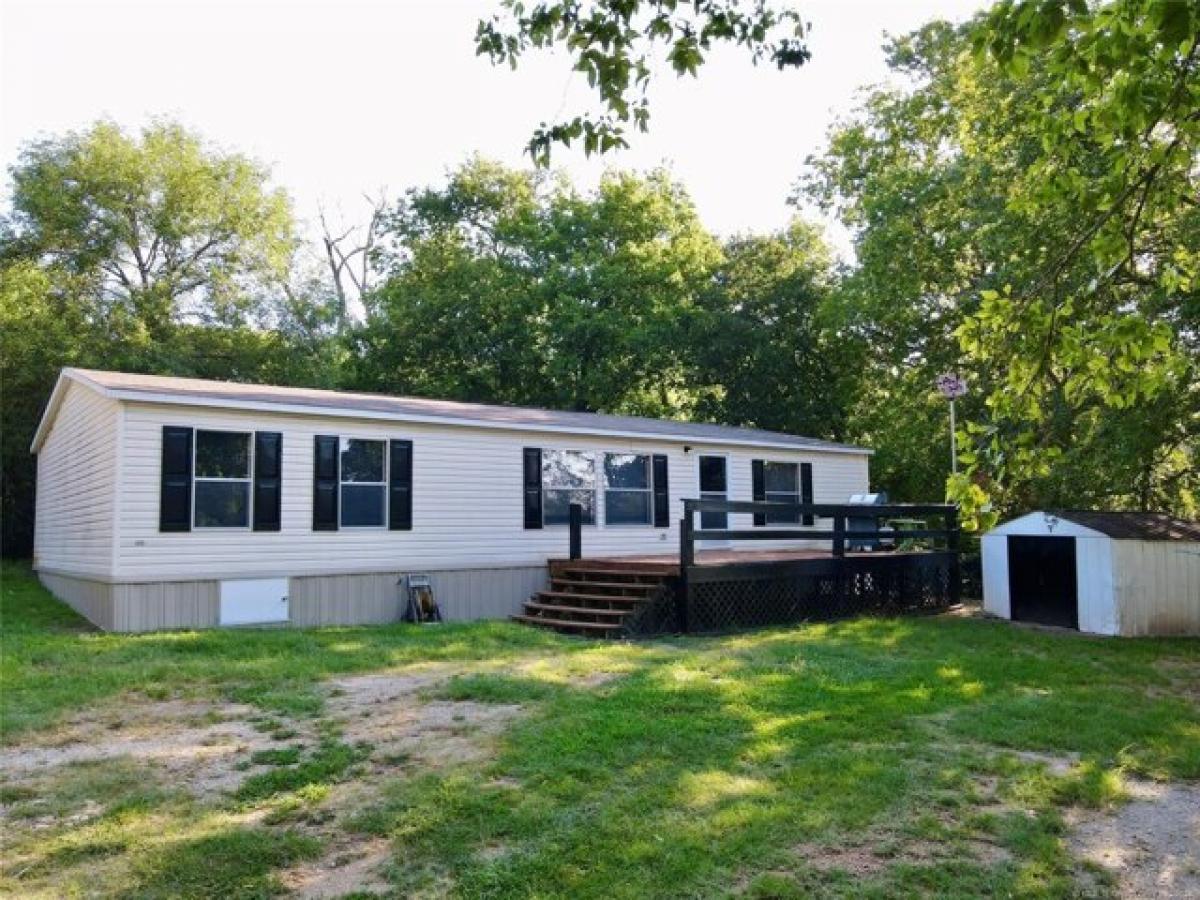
column 1157, row 587
column 1093, row 569
column 1125, row 587
column 76, row 476
column 467, row 510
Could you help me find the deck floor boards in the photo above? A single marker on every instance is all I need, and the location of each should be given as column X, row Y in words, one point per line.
column 668, row 563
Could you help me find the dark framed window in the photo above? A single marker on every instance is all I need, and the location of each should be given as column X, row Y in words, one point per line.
column 221, row 481
column 568, row 476
column 363, row 483
column 714, row 485
column 627, row 489
column 781, row 484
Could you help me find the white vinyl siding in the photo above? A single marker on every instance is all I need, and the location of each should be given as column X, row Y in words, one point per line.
column 467, row 499
column 1124, row 587
column 76, row 480
column 1157, row 587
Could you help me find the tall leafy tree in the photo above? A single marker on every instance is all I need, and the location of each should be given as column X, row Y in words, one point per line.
column 977, row 249
column 511, row 286
column 1105, row 328
column 160, row 227
column 768, row 352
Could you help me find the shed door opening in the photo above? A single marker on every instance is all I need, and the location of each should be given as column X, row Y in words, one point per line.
column 1041, row 580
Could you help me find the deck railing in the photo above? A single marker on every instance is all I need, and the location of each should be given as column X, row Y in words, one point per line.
column 732, row 594
column 689, row 534
column 838, row 534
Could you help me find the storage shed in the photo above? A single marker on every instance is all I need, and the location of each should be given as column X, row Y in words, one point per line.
column 1116, row 573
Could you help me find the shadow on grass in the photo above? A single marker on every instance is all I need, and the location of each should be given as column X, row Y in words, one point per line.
column 233, row 863
column 722, row 759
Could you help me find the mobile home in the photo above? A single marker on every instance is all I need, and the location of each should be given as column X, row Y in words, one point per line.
column 186, row 503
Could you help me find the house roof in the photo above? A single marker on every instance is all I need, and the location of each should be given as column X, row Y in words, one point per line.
column 1133, row 526
column 229, row 394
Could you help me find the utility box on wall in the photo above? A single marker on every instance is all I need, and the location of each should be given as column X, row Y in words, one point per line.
column 254, row 601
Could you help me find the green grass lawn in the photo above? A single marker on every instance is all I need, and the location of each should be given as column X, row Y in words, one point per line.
column 764, row 765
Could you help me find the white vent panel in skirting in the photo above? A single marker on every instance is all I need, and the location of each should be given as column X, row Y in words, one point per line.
column 255, row 601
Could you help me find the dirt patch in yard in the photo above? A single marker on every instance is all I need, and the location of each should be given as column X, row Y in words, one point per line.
column 405, row 732
column 208, row 748
column 1150, row 844
column 883, row 850
column 353, row 869
column 198, row 746
column 384, row 711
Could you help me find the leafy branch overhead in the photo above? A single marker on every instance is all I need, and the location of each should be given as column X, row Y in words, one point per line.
column 616, row 44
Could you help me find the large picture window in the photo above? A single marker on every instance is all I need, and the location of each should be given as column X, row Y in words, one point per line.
column 568, row 476
column 222, row 479
column 627, row 498
column 363, row 483
column 782, row 485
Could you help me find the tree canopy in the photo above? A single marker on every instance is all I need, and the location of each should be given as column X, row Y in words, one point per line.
column 1001, row 230
column 147, row 253
column 513, row 286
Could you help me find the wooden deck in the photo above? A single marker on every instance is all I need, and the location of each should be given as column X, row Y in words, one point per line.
column 703, row 588
column 668, row 563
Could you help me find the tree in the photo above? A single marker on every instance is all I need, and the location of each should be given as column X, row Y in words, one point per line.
column 40, row 328
column 509, row 286
column 977, row 219
column 349, row 255
column 614, row 43
column 160, row 228
column 1109, row 318
column 765, row 350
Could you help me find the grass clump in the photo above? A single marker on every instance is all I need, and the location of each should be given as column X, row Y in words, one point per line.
column 281, row 756
column 236, row 862
column 328, row 762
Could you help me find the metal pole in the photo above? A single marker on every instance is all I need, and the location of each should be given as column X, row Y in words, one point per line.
column 953, row 442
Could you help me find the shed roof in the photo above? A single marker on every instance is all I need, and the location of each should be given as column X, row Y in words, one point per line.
column 202, row 392
column 1134, row 526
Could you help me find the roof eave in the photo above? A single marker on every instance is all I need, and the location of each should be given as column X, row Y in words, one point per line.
column 138, row 396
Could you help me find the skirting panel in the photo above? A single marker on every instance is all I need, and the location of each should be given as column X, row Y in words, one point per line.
column 91, row 599
column 372, row 599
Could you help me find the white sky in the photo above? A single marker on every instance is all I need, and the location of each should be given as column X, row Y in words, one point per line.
column 346, row 96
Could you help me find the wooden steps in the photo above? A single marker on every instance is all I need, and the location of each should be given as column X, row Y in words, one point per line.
column 549, row 608
column 593, row 585
column 568, row 625
column 600, row 598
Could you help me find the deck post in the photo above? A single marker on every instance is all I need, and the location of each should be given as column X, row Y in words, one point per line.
column 575, row 520
column 687, row 545
column 687, row 559
column 952, row 544
column 839, row 535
